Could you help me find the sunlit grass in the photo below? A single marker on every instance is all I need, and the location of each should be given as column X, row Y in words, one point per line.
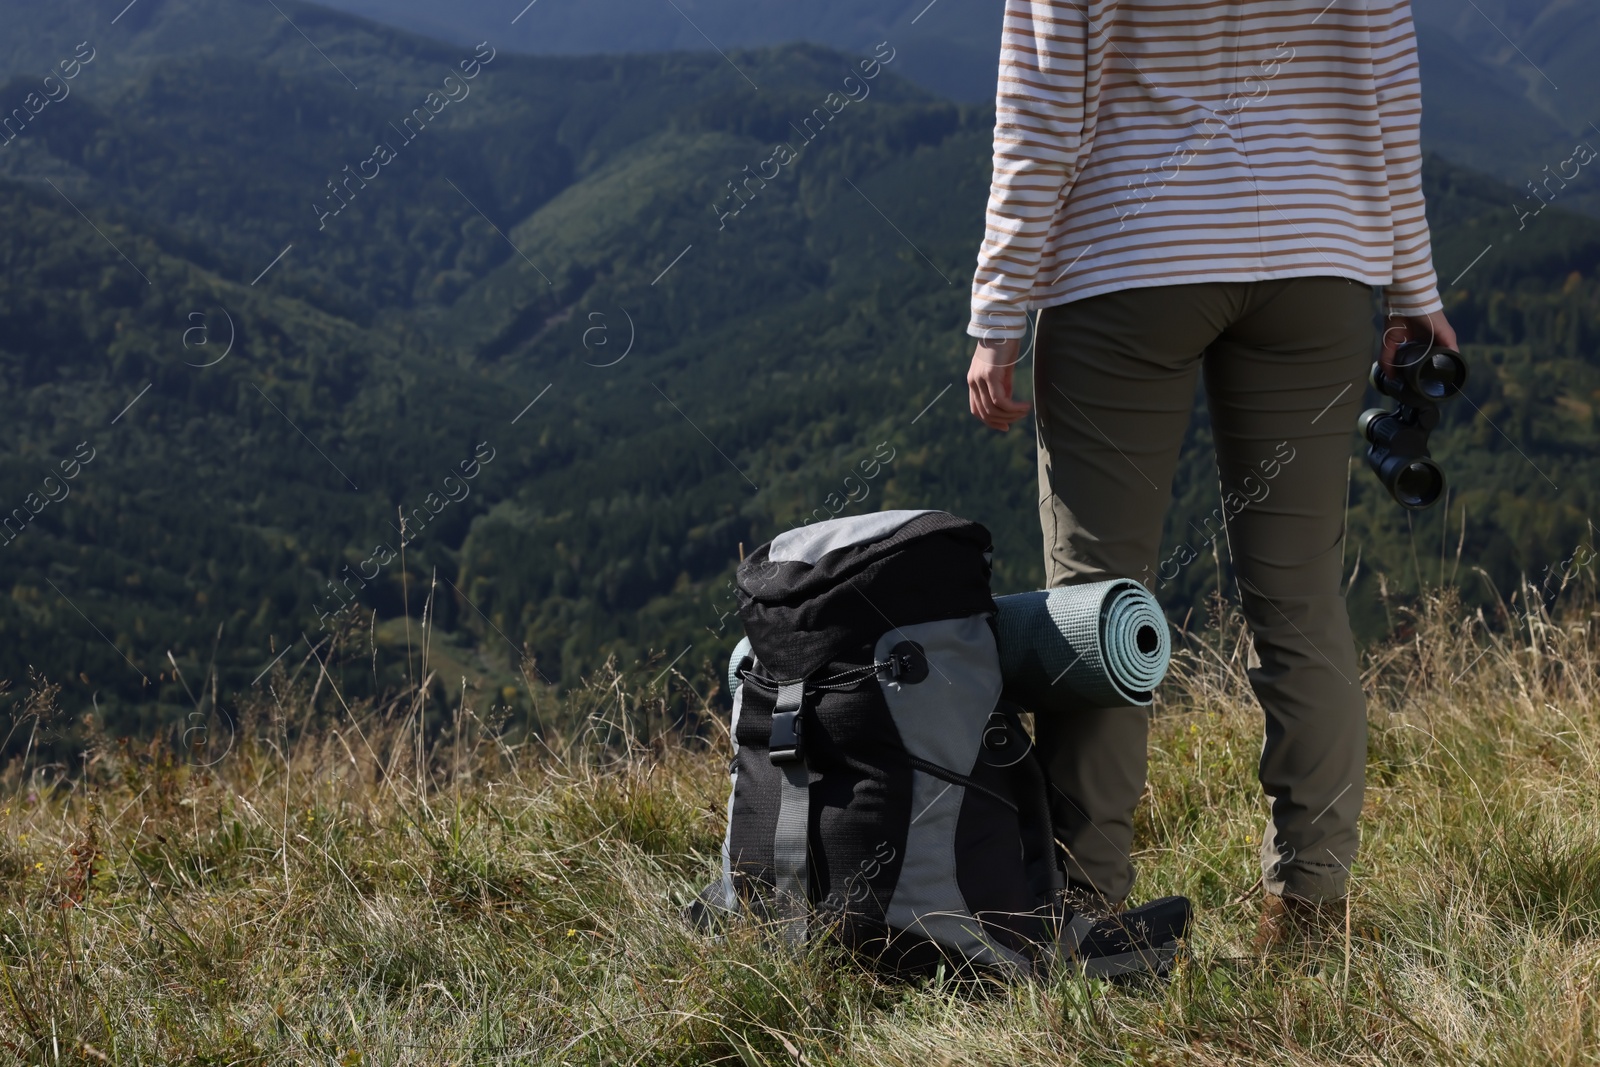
column 365, row 891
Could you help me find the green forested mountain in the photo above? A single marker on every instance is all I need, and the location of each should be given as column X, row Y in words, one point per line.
column 1508, row 85
column 560, row 328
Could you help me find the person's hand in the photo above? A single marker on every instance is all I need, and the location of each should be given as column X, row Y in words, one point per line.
column 989, row 384
column 1432, row 329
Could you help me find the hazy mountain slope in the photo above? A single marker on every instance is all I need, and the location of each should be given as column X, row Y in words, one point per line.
column 1544, row 47
column 1510, row 86
column 1476, row 114
column 1486, row 104
column 950, row 46
column 141, row 135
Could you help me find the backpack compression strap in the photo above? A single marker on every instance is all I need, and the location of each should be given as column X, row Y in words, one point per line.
column 790, row 874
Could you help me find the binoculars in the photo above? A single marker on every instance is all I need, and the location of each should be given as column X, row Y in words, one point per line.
column 1425, row 377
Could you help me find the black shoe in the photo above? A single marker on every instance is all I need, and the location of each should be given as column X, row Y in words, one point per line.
column 708, row 912
column 1142, row 940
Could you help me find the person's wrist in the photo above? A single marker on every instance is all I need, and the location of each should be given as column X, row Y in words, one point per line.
column 1413, row 308
column 996, row 329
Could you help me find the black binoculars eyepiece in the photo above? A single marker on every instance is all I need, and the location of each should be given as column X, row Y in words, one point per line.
column 1397, row 441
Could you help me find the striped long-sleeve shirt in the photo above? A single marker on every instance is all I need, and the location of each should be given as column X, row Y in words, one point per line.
column 1158, row 142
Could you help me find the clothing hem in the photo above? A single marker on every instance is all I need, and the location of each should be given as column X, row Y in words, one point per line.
column 974, row 329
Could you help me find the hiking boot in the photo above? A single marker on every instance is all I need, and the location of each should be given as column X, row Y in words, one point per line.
column 1128, row 941
column 1289, row 920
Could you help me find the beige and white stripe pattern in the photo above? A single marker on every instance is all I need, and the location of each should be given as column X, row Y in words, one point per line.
column 1157, row 142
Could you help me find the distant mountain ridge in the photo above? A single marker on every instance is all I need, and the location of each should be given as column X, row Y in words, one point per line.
column 1508, row 84
column 1488, row 102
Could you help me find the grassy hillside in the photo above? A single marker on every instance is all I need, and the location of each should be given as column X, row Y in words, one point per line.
column 318, row 882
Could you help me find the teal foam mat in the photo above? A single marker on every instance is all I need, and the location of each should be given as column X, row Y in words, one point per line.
column 1105, row 644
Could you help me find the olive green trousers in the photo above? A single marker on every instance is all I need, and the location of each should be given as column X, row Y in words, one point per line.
column 1114, row 384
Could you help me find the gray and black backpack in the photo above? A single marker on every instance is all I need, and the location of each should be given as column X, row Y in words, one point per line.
column 883, row 792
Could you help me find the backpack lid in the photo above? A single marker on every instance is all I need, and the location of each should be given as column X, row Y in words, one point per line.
column 824, row 593
column 808, row 544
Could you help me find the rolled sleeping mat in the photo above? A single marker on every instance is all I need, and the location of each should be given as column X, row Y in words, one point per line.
column 1098, row 645
column 1104, row 645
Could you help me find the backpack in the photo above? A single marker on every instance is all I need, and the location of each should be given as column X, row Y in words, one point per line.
column 883, row 793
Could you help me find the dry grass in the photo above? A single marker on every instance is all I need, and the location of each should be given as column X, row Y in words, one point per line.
column 362, row 890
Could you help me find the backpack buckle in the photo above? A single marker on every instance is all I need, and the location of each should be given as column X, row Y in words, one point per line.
column 783, row 743
column 784, row 747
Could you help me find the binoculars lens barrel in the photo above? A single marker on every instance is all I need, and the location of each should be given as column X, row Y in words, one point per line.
column 1433, row 374
column 1438, row 376
column 1418, row 484
column 1412, row 478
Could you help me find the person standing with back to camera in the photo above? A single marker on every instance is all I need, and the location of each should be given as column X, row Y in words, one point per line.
column 1235, row 187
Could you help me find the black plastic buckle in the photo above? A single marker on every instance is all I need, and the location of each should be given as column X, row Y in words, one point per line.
column 784, row 743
